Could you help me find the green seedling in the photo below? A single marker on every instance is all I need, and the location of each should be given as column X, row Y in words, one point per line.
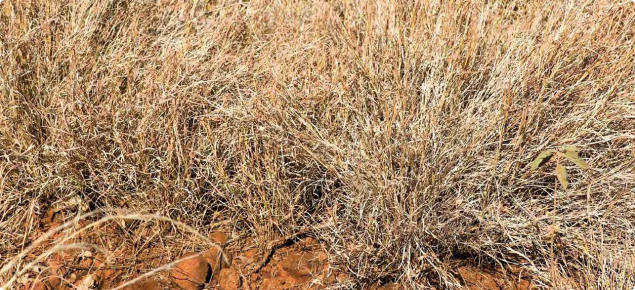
column 566, row 151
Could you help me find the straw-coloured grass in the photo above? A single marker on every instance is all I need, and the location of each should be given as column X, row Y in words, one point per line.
column 407, row 125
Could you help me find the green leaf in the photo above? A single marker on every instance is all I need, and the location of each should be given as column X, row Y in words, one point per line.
column 569, row 148
column 561, row 173
column 542, row 158
column 575, row 159
column 571, row 153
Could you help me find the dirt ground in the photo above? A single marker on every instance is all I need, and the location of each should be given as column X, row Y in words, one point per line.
column 298, row 263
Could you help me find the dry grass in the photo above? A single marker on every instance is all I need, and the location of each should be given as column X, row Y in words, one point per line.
column 410, row 124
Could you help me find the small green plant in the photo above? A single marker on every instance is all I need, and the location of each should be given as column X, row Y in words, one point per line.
column 566, row 151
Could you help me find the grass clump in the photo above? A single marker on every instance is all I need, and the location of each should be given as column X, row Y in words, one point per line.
column 410, row 125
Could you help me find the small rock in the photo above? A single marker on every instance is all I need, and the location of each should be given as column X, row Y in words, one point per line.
column 55, row 281
column 384, row 287
column 192, row 274
column 229, row 279
column 56, row 267
column 106, row 278
column 310, row 241
column 218, row 237
column 342, row 277
column 72, row 278
column 86, row 262
column 272, row 283
column 144, row 285
column 300, row 265
column 250, row 256
column 86, row 283
column 217, row 261
column 36, row 285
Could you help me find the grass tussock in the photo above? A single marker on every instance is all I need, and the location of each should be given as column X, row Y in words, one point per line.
column 409, row 125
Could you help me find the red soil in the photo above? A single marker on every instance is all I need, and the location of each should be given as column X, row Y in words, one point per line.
column 302, row 265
